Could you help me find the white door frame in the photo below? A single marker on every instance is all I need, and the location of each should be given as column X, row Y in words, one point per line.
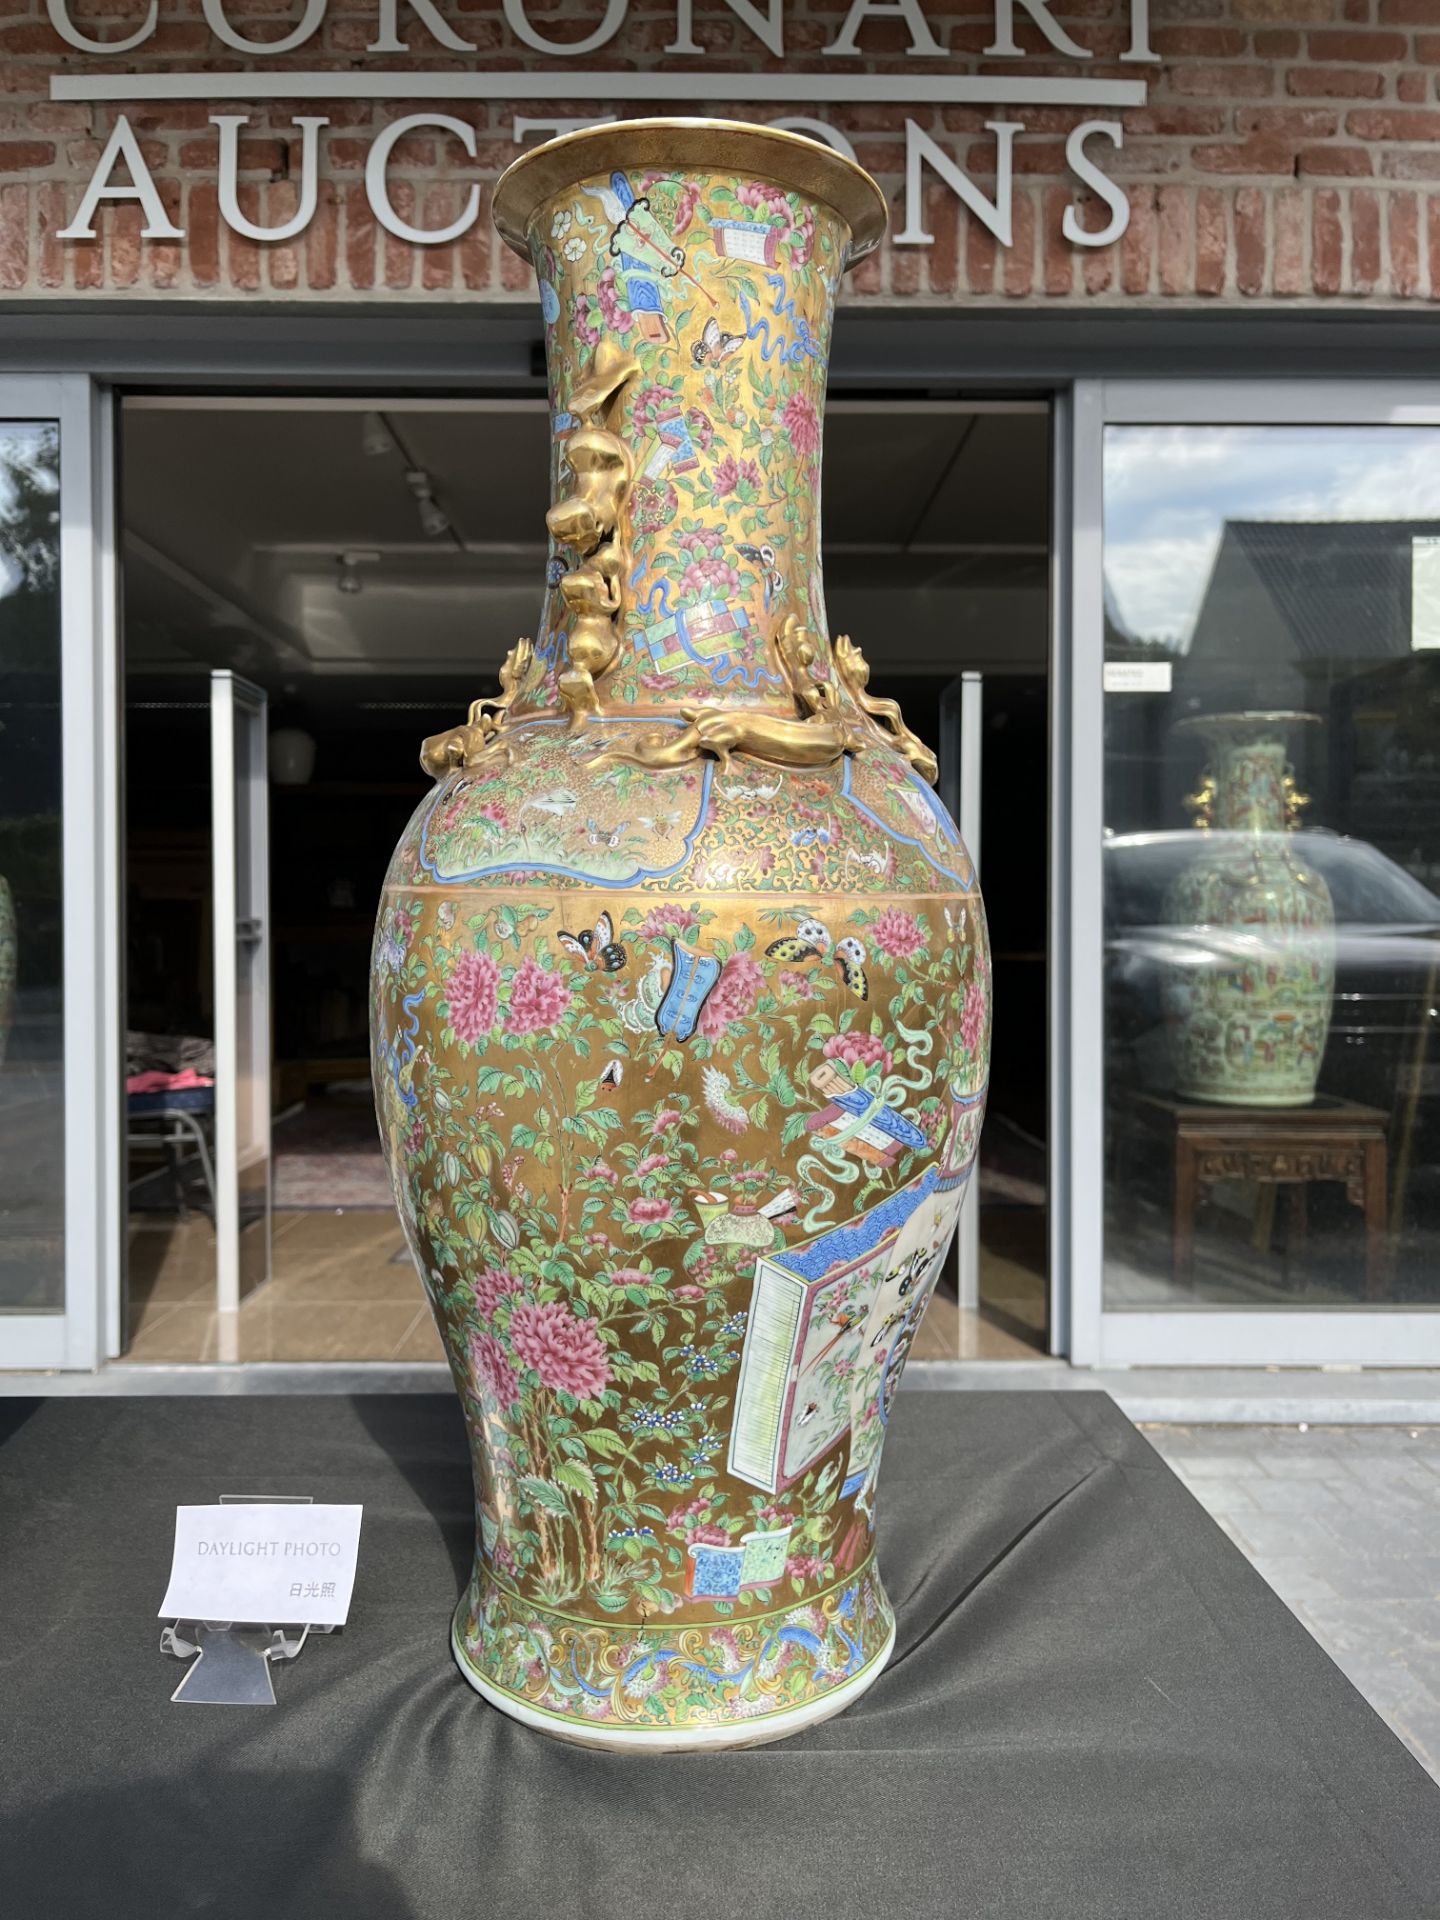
column 238, row 1079
column 87, row 1331
column 1360, row 1335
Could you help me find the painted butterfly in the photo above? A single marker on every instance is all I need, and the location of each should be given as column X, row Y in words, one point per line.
column 850, row 958
column 715, row 345
column 599, row 836
column 597, row 943
column 809, row 941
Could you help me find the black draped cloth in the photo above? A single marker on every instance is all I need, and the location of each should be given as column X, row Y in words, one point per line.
column 1095, row 1709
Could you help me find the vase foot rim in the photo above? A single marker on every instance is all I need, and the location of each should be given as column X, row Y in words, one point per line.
column 758, row 1732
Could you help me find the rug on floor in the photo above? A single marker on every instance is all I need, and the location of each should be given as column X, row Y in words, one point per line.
column 329, row 1156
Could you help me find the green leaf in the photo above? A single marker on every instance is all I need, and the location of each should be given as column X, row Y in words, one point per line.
column 541, row 1493
column 604, row 1441
column 575, row 1475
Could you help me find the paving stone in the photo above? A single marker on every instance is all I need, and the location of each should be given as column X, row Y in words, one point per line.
column 1344, row 1523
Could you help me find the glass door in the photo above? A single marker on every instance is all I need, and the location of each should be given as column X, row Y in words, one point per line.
column 59, row 1048
column 240, row 824
column 1257, row 663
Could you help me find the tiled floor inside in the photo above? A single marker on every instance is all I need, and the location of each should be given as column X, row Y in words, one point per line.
column 344, row 1288
column 1344, row 1523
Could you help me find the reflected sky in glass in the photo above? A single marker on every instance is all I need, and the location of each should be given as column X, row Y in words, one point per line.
column 1170, row 490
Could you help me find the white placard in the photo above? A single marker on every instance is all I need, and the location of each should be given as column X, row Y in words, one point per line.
column 1424, row 591
column 264, row 1565
column 1138, row 676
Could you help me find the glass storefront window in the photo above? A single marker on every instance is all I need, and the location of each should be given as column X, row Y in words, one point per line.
column 32, row 1110
column 1272, row 867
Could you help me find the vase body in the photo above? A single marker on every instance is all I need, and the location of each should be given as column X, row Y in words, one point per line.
column 1248, row 1005
column 680, row 1040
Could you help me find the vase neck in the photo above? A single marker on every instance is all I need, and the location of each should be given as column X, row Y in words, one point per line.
column 1249, row 785
column 687, row 332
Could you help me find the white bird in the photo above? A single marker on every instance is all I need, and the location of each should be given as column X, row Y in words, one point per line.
column 716, row 1088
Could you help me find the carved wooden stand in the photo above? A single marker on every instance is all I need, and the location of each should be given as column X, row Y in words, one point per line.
column 1277, row 1146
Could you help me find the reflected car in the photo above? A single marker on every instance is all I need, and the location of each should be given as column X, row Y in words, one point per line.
column 1383, row 1048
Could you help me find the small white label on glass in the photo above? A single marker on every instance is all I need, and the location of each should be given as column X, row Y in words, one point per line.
column 264, row 1565
column 1138, row 676
column 1424, row 591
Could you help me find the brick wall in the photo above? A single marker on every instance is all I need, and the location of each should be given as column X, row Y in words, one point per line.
column 1289, row 153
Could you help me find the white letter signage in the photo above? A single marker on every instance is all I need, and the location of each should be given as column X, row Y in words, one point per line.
column 378, row 194
column 122, row 145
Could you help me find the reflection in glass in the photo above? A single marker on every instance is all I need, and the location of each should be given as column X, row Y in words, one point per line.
column 1272, row 860
column 32, row 1112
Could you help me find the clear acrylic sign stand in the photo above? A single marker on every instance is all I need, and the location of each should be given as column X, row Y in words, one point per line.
column 233, row 1664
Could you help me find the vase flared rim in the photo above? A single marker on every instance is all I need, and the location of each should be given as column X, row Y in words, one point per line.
column 790, row 160
column 1230, row 722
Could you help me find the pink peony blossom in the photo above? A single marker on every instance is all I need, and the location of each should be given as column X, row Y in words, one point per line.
column 710, row 579
column 567, row 1352
column 649, row 402
column 729, row 474
column 472, row 996
column 972, row 1020
column 687, row 1290
column 644, row 1211
column 707, row 1534
column 898, row 933
column 701, row 430
column 802, row 424
column 415, row 1138
column 491, row 1287
column 666, row 1118
column 537, row 999
column 761, row 195
column 732, row 996
column 617, row 318
column 805, row 1566
column 857, row 1050
column 661, row 922
column 630, row 1277
column 494, row 1371
column 585, row 334
column 652, row 1163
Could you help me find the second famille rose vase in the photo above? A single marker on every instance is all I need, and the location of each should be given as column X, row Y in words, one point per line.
column 1248, row 995
column 681, row 1001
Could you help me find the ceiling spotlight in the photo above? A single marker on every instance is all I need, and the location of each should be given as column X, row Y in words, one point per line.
column 433, row 517
column 376, row 438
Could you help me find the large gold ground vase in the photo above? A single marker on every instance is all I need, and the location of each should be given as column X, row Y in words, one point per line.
column 681, row 998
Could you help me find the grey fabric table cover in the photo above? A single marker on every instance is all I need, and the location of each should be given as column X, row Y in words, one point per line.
column 1095, row 1707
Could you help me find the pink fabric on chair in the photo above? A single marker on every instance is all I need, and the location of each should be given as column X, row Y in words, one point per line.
column 156, row 1082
